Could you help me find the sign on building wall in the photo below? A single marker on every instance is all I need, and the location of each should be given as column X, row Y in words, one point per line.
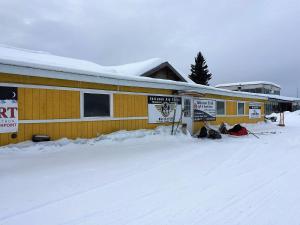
column 161, row 109
column 8, row 109
column 205, row 109
column 254, row 110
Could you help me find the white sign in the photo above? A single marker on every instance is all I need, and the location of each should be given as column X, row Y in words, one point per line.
column 254, row 110
column 8, row 110
column 161, row 109
column 205, row 109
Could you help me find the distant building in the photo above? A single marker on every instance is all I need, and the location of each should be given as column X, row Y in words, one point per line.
column 276, row 103
column 262, row 87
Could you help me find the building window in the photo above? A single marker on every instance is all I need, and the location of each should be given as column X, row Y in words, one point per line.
column 187, row 108
column 256, row 90
column 241, row 108
column 220, row 107
column 96, row 105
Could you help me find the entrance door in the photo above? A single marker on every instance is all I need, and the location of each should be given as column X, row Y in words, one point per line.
column 187, row 116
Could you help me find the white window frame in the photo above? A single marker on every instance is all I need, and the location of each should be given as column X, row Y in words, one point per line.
column 225, row 107
column 237, row 108
column 111, row 103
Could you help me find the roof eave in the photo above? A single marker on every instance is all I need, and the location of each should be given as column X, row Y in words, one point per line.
column 120, row 81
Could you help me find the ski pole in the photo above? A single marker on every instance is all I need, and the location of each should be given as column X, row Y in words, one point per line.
column 180, row 120
column 252, row 133
column 173, row 124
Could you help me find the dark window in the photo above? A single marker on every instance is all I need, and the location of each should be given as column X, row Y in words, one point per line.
column 96, row 105
column 241, row 108
column 220, row 108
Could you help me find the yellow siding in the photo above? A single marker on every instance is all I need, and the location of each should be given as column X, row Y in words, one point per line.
column 230, row 107
column 130, row 105
column 197, row 126
column 11, row 78
column 42, row 104
column 231, row 98
column 73, row 130
column 145, row 90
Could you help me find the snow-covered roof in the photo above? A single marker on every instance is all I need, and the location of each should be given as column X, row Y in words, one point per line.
column 247, row 83
column 45, row 60
column 42, row 64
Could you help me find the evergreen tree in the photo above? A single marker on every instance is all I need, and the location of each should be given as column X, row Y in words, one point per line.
column 199, row 71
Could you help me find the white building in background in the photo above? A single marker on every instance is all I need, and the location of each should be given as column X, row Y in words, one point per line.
column 263, row 87
column 276, row 102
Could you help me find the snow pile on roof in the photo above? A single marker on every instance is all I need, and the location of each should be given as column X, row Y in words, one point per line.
column 247, row 83
column 136, row 69
column 45, row 60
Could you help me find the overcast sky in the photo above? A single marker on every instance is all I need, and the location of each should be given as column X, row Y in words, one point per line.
column 241, row 40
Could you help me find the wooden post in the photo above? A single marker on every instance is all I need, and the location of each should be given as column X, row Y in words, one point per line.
column 281, row 122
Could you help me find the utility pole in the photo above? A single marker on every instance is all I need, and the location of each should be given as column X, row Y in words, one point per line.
column 297, row 92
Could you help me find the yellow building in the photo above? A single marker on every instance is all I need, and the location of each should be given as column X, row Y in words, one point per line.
column 62, row 97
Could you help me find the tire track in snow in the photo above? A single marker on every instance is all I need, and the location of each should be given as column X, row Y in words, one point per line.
column 239, row 198
column 97, row 187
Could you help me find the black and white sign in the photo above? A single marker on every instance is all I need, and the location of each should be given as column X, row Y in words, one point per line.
column 161, row 109
column 204, row 109
column 8, row 109
column 254, row 110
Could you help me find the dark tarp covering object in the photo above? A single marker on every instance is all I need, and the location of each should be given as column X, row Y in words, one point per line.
column 238, row 130
column 208, row 132
column 213, row 134
column 203, row 132
column 223, row 129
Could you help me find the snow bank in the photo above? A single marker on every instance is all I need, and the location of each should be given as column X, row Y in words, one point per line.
column 159, row 132
column 119, row 136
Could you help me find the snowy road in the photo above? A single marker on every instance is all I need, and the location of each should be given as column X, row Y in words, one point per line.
column 155, row 180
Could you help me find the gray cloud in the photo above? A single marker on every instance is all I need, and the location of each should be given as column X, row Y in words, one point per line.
column 242, row 40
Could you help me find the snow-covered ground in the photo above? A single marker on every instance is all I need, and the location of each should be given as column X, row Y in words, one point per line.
column 150, row 177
